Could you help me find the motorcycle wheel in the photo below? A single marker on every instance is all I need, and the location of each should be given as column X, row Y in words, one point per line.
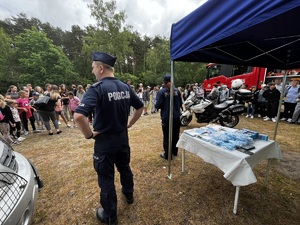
column 184, row 121
column 230, row 121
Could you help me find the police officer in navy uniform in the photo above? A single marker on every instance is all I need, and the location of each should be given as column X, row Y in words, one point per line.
column 110, row 100
column 163, row 103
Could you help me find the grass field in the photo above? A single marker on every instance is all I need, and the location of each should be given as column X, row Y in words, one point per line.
column 200, row 196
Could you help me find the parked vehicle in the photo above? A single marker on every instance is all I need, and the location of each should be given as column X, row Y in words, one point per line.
column 205, row 111
column 225, row 74
column 19, row 185
column 251, row 76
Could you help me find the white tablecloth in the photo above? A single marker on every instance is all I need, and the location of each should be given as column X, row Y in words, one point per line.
column 237, row 166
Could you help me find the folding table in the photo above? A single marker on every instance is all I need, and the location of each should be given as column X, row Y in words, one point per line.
column 237, row 166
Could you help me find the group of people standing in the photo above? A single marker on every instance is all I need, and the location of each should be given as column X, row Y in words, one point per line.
column 265, row 102
column 18, row 109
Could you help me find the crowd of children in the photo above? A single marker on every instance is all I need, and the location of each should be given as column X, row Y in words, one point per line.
column 18, row 109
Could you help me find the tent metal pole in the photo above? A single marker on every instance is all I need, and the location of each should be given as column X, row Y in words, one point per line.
column 171, row 121
column 236, row 199
column 280, row 103
column 276, row 127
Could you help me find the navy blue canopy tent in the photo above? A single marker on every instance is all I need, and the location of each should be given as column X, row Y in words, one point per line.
column 256, row 33
column 264, row 33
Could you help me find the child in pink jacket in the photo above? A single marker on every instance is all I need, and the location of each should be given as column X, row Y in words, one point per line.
column 73, row 104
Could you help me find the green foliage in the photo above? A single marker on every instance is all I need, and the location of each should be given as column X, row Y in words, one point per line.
column 5, row 53
column 125, row 76
column 45, row 54
column 42, row 62
column 7, row 62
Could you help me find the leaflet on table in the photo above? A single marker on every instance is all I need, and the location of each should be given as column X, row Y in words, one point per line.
column 228, row 138
column 254, row 135
column 209, row 129
column 199, row 131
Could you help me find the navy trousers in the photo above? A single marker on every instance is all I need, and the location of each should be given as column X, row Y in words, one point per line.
column 110, row 150
column 175, row 135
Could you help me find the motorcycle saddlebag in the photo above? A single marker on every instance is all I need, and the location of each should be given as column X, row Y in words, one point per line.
column 243, row 95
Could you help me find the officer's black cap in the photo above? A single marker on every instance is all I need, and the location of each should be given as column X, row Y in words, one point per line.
column 104, row 57
column 167, row 78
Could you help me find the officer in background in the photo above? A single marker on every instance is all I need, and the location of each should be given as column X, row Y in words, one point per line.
column 163, row 103
column 110, row 100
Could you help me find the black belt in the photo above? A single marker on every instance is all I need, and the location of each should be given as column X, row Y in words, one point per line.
column 116, row 134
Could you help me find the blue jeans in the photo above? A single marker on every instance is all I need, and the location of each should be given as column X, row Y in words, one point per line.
column 251, row 109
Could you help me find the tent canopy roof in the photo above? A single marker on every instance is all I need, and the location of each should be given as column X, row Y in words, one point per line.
column 258, row 33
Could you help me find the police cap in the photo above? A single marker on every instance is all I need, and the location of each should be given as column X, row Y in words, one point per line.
column 104, row 57
column 167, row 78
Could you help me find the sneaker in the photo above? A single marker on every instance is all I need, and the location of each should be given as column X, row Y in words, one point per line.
column 69, row 126
column 37, row 131
column 20, row 139
column 274, row 120
column 258, row 115
column 289, row 120
column 59, row 123
column 162, row 155
column 252, row 117
column 266, row 119
column 283, row 119
column 75, row 126
column 25, row 133
column 247, row 116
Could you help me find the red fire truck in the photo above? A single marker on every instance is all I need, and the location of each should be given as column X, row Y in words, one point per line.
column 224, row 74
column 251, row 76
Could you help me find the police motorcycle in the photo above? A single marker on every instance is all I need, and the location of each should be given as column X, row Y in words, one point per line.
column 225, row 113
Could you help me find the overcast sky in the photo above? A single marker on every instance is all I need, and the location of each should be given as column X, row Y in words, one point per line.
column 150, row 17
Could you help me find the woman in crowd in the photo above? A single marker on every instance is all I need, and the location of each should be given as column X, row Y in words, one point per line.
column 12, row 92
column 48, row 88
column 80, row 92
column 39, row 90
column 47, row 111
